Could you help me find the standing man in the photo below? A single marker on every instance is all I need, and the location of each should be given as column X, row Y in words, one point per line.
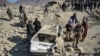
column 81, row 6
column 73, row 20
column 75, row 6
column 91, row 5
column 21, row 10
column 23, row 18
column 37, row 24
column 68, row 31
column 95, row 4
column 4, row 5
column 85, row 5
column 78, row 31
column 30, row 30
column 64, row 7
column 10, row 15
column 72, row 5
column 98, row 5
column 85, row 26
column 59, row 30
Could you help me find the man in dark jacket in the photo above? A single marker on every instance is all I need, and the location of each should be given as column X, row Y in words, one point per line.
column 95, row 4
column 37, row 24
column 46, row 9
column 73, row 20
column 64, row 7
column 30, row 30
column 85, row 5
column 91, row 5
column 98, row 5
column 21, row 9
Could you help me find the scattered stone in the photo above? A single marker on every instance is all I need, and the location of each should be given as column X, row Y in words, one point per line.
column 5, row 50
column 81, row 49
column 0, row 40
column 6, row 34
column 7, row 54
column 15, row 50
column 70, row 49
column 93, row 36
column 2, row 54
column 12, row 51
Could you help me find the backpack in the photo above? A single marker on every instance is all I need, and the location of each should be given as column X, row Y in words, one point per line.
column 68, row 27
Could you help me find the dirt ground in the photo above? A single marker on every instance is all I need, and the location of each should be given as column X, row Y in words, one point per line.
column 12, row 35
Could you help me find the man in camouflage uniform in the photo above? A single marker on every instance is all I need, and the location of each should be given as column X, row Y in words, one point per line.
column 78, row 31
column 10, row 15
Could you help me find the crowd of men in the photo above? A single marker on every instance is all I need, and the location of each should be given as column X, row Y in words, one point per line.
column 74, row 5
column 32, row 27
column 79, row 29
column 80, row 6
column 75, row 27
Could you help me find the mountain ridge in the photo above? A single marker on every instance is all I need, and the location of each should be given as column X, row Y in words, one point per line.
column 32, row 2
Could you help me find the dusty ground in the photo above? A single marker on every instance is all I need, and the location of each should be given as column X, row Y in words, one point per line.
column 11, row 34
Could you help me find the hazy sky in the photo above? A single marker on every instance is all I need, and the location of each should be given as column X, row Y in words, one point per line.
column 12, row 1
